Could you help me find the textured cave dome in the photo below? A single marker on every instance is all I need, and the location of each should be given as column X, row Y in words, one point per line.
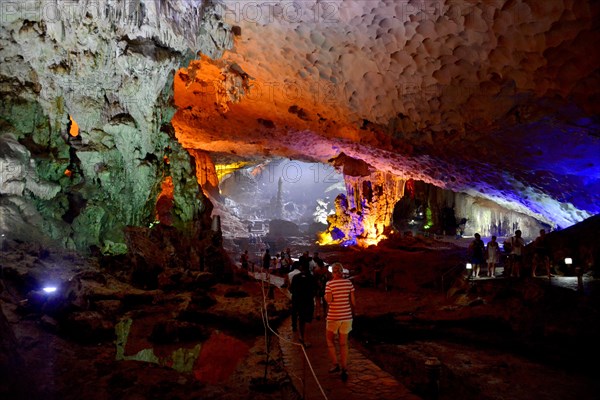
column 497, row 100
column 494, row 99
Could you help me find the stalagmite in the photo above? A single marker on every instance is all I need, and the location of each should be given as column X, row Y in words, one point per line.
column 365, row 212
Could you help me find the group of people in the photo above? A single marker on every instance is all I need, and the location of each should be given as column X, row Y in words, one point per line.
column 319, row 292
column 316, row 293
column 280, row 263
column 513, row 247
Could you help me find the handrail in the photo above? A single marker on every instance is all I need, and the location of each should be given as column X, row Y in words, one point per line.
column 451, row 270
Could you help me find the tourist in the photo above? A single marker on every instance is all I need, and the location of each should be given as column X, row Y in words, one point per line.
column 266, row 261
column 303, row 288
column 541, row 254
column 273, row 267
column 283, row 264
column 493, row 256
column 244, row 259
column 305, row 259
column 322, row 275
column 476, row 250
column 516, row 244
column 295, row 270
column 317, row 260
column 339, row 294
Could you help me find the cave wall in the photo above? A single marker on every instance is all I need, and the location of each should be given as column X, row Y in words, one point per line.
column 480, row 215
column 109, row 65
column 492, row 99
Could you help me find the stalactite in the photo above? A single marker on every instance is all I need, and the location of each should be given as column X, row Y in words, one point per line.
column 365, row 212
column 206, row 173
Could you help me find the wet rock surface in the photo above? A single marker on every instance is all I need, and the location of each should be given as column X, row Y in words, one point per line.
column 100, row 337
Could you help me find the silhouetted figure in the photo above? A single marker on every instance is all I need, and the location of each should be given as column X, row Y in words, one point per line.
column 303, row 289
column 295, row 270
column 493, row 256
column 266, row 261
column 244, row 259
column 476, row 250
column 541, row 254
column 516, row 244
column 305, row 259
column 318, row 260
column 322, row 276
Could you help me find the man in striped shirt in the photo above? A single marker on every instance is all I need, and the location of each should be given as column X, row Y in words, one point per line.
column 339, row 294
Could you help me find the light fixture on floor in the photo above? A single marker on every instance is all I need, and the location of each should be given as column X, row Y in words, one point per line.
column 469, row 270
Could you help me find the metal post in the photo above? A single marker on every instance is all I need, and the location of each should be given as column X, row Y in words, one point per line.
column 433, row 367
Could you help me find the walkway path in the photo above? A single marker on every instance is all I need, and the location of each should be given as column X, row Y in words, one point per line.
column 366, row 381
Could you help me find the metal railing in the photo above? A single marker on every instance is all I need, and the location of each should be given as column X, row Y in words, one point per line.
column 449, row 273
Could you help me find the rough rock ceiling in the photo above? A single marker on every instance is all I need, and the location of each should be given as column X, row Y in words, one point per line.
column 494, row 98
column 497, row 99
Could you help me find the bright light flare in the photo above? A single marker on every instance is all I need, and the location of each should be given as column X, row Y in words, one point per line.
column 568, row 261
column 49, row 289
column 469, row 266
column 324, row 238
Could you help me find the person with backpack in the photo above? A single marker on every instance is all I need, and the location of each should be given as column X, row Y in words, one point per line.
column 476, row 250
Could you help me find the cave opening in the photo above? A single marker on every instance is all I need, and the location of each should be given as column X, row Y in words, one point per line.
column 276, row 201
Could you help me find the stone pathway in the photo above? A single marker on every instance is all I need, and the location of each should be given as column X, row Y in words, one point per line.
column 366, row 381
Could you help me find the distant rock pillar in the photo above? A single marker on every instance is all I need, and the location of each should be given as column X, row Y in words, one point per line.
column 373, row 198
column 216, row 224
column 366, row 211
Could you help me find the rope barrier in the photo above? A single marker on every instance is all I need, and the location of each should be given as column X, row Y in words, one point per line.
column 265, row 318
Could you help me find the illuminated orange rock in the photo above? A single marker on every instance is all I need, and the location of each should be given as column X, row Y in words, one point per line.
column 164, row 202
column 206, row 173
column 365, row 212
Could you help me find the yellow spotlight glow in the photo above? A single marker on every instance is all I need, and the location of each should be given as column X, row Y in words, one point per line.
column 370, row 241
column 226, row 169
column 324, row 238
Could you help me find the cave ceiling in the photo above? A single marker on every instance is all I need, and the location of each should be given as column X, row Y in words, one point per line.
column 493, row 98
column 496, row 98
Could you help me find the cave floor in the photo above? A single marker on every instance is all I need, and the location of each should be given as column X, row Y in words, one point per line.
column 308, row 368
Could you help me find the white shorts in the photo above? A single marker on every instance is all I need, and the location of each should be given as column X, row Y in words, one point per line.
column 343, row 326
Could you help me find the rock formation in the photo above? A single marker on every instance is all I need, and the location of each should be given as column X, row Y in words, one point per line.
column 495, row 100
column 108, row 66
